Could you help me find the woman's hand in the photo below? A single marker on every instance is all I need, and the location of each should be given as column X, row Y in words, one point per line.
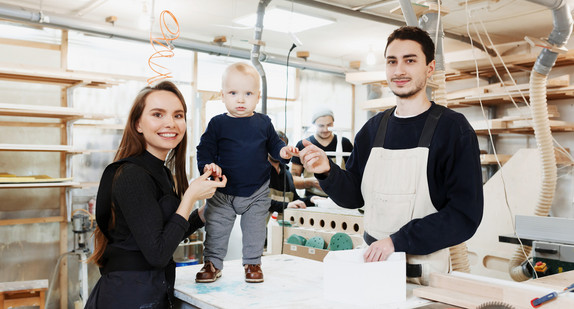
column 203, row 188
column 199, row 189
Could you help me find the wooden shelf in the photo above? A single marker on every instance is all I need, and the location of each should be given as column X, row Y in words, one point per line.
column 488, row 159
column 90, row 151
column 38, row 185
column 524, row 127
column 53, row 76
column 52, row 148
column 515, row 63
column 488, row 99
column 39, row 148
column 64, row 113
column 499, row 98
column 100, row 126
column 31, row 220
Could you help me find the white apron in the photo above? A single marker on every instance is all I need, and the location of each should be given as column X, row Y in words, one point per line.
column 395, row 191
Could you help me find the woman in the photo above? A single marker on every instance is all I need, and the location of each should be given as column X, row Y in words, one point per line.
column 142, row 213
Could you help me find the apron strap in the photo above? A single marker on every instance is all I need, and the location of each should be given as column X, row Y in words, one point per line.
column 428, row 129
column 382, row 131
column 430, row 125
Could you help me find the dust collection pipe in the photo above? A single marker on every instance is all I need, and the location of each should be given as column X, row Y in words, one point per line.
column 255, row 52
column 65, row 22
column 408, row 13
column 538, row 78
column 431, row 22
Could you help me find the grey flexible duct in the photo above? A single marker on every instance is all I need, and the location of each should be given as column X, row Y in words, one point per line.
column 429, row 22
column 408, row 13
column 255, row 52
column 544, row 63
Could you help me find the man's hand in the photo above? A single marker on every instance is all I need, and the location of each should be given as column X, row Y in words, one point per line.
column 313, row 158
column 297, row 204
column 379, row 250
column 315, row 199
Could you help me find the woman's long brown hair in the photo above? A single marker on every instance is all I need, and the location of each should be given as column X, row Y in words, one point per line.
column 134, row 144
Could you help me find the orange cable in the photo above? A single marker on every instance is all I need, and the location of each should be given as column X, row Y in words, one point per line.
column 162, row 50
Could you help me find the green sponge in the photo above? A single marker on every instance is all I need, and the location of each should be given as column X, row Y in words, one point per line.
column 340, row 241
column 316, row 242
column 296, row 240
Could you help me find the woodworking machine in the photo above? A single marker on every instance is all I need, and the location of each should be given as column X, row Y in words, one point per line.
column 552, row 242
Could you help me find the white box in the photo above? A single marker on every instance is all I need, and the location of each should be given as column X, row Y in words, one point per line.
column 348, row 279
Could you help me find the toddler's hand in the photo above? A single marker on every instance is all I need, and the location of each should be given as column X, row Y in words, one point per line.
column 288, row 152
column 214, row 169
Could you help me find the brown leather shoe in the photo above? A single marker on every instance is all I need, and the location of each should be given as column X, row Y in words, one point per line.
column 208, row 273
column 253, row 273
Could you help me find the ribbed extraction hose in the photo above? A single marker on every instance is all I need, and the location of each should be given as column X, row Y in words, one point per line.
column 439, row 94
column 459, row 253
column 543, row 134
column 459, row 258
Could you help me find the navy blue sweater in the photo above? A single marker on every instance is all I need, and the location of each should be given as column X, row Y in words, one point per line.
column 454, row 179
column 240, row 147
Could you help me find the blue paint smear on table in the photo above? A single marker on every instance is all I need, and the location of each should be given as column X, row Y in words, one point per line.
column 211, row 288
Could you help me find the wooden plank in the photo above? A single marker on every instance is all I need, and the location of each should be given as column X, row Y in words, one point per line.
column 450, row 297
column 379, row 104
column 486, row 159
column 522, row 62
column 421, row 8
column 477, row 288
column 504, row 88
column 556, row 282
column 359, row 78
column 29, row 285
column 31, row 44
column 39, row 185
column 31, row 220
column 524, row 112
column 9, row 178
column 327, row 219
column 479, row 125
column 40, row 148
column 51, row 76
column 42, row 111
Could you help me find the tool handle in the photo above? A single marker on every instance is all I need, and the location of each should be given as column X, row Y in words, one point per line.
column 540, row 300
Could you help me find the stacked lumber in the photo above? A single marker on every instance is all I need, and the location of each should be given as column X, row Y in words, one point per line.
column 470, row 291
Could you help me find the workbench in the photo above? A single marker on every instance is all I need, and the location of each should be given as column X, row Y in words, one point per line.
column 290, row 282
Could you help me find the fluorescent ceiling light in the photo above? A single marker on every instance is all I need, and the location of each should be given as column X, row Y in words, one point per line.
column 281, row 20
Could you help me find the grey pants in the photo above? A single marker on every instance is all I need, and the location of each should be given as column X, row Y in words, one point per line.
column 220, row 214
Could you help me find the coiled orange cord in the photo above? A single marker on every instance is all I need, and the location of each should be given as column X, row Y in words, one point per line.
column 162, row 50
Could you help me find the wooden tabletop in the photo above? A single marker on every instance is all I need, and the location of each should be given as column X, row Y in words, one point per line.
column 290, row 282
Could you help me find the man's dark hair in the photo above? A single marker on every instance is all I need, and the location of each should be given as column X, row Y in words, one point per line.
column 414, row 34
